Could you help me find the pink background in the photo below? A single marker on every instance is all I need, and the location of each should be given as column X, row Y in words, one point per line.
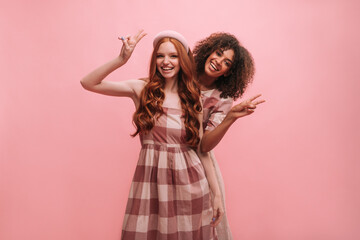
column 291, row 169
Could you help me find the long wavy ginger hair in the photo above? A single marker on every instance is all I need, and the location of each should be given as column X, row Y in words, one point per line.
column 152, row 96
column 241, row 72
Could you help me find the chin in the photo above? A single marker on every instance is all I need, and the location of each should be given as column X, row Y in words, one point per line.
column 210, row 74
column 168, row 75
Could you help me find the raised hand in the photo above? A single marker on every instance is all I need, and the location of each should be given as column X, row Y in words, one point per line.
column 129, row 43
column 245, row 108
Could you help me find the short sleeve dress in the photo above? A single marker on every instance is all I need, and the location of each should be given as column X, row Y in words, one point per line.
column 215, row 109
column 169, row 196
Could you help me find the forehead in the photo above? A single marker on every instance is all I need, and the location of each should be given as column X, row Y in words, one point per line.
column 167, row 47
column 229, row 53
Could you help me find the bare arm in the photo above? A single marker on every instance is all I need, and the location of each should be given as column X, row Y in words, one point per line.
column 212, row 138
column 94, row 80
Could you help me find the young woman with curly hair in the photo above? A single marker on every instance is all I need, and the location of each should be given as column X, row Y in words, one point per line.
column 224, row 69
column 169, row 196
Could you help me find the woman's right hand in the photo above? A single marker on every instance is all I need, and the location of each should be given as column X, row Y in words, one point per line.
column 129, row 43
column 218, row 211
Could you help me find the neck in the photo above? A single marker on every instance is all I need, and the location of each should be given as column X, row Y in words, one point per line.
column 206, row 82
column 171, row 84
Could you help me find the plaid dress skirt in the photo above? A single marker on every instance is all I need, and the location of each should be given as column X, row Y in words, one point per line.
column 169, row 196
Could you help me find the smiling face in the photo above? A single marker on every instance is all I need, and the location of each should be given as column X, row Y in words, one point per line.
column 218, row 63
column 167, row 60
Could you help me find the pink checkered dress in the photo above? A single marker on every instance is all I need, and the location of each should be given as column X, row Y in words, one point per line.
column 215, row 110
column 169, row 196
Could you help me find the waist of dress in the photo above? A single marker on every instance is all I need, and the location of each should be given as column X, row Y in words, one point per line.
column 164, row 145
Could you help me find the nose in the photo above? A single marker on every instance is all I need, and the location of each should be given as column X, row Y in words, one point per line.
column 166, row 60
column 222, row 58
column 217, row 62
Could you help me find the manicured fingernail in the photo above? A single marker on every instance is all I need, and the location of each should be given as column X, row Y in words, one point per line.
column 122, row 38
column 213, row 219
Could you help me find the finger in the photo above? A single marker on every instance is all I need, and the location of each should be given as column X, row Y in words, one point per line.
column 251, row 106
column 126, row 41
column 141, row 36
column 241, row 106
column 255, row 97
column 218, row 218
column 122, row 39
column 138, row 33
column 258, row 102
column 214, row 221
column 215, row 211
column 221, row 214
column 247, row 109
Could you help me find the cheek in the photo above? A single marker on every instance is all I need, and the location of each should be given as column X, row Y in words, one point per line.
column 226, row 71
column 207, row 61
column 225, row 68
column 176, row 63
column 158, row 63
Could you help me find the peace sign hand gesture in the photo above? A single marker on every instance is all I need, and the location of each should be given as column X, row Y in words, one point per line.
column 129, row 43
column 244, row 108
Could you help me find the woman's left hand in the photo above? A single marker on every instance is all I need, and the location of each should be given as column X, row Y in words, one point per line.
column 244, row 108
column 218, row 211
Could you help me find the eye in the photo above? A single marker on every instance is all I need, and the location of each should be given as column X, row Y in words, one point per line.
column 218, row 53
column 174, row 56
column 227, row 63
column 159, row 56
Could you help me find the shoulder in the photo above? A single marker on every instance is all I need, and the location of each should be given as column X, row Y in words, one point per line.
column 145, row 79
column 211, row 99
column 137, row 83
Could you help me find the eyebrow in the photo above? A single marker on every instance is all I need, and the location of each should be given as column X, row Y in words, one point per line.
column 167, row 53
column 222, row 51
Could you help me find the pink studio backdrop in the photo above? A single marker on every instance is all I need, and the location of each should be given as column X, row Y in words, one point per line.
column 291, row 168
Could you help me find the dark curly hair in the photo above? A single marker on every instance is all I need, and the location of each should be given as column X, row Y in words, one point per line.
column 241, row 71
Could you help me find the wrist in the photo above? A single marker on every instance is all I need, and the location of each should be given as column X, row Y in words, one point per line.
column 121, row 60
column 229, row 119
column 217, row 194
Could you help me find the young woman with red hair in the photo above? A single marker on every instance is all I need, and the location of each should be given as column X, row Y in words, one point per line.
column 170, row 195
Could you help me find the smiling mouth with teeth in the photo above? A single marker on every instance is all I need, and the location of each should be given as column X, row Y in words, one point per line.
column 213, row 66
column 167, row 69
